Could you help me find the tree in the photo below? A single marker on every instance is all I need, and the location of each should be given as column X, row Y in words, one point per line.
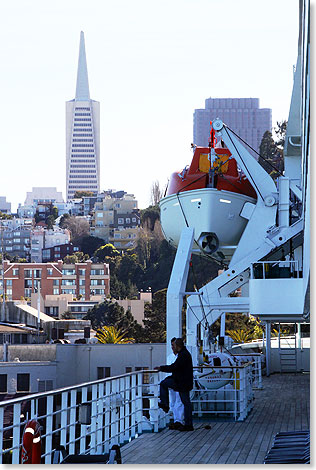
column 77, row 257
column 4, row 216
column 280, row 131
column 240, row 336
column 129, row 269
column 107, row 313
column 63, row 220
column 112, row 335
column 156, row 193
column 104, row 251
column 55, row 212
column 271, row 152
column 67, row 315
column 50, row 221
column 90, row 244
column 78, row 227
column 149, row 216
column 155, row 318
column 81, row 194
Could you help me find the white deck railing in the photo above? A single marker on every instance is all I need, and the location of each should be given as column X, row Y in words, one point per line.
column 91, row 417
column 223, row 391
column 115, row 411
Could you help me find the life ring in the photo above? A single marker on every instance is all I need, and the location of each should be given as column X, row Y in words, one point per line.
column 31, row 443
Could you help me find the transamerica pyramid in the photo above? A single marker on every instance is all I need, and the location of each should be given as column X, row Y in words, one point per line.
column 82, row 134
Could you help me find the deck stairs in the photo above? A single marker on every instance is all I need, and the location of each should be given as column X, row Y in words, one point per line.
column 288, row 354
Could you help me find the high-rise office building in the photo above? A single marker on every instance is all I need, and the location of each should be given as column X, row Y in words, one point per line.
column 82, row 134
column 242, row 115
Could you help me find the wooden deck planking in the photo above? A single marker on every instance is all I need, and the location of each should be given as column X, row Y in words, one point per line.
column 283, row 404
column 248, row 434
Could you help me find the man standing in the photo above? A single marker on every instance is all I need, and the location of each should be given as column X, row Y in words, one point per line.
column 175, row 402
column 181, row 380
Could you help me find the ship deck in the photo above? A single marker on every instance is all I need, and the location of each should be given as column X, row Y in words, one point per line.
column 282, row 405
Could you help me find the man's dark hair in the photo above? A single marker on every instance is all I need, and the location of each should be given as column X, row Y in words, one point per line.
column 173, row 339
column 180, row 342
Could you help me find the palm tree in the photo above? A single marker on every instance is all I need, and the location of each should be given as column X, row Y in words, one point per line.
column 240, row 336
column 112, row 335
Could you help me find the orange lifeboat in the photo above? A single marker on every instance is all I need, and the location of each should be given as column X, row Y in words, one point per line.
column 209, row 195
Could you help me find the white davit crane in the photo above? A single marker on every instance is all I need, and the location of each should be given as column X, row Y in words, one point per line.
column 271, row 260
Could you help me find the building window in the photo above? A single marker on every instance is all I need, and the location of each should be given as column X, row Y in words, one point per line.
column 23, row 383
column 68, row 291
column 120, row 221
column 97, row 272
column 68, row 282
column 128, row 370
column 45, row 385
column 3, row 383
column 82, row 282
column 104, row 372
column 97, row 282
column 69, row 272
column 49, row 271
column 128, row 220
column 55, row 291
column 37, row 273
column 9, row 282
column 98, row 291
column 15, row 272
column 27, row 273
column 27, row 292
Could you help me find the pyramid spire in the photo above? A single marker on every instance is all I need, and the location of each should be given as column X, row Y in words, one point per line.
column 82, row 88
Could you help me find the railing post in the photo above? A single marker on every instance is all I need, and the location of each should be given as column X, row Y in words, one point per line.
column 83, row 427
column 107, row 415
column 114, row 414
column 72, row 423
column 127, row 397
column 139, row 402
column 33, row 410
column 49, row 428
column 93, row 419
column 154, row 403
column 1, row 433
column 100, row 418
column 16, row 433
column 133, row 398
column 122, row 409
column 63, row 419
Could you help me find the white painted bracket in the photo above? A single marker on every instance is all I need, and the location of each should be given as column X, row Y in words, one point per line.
column 177, row 285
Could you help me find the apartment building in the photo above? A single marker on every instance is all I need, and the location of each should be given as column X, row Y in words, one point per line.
column 43, row 194
column 5, row 206
column 116, row 219
column 15, row 239
column 55, row 253
column 85, row 279
column 42, row 239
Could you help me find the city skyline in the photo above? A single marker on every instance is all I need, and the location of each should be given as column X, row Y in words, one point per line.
column 150, row 65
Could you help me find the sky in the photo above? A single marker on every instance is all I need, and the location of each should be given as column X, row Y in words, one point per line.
column 150, row 64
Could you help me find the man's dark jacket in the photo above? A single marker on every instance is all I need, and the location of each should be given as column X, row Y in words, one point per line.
column 182, row 371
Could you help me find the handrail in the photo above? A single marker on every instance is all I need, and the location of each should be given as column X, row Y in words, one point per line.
column 70, row 388
column 242, row 366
